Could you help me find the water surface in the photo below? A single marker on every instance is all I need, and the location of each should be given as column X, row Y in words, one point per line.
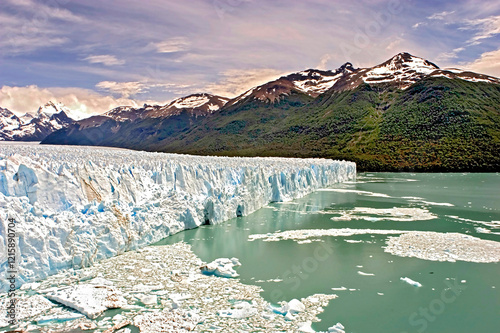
column 454, row 297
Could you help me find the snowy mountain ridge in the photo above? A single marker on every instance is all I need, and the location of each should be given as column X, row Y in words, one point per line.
column 76, row 205
column 402, row 71
column 195, row 104
column 49, row 118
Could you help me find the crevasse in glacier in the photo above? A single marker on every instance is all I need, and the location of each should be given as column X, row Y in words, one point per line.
column 76, row 205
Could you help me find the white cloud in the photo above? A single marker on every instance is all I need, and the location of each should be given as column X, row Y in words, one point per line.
column 106, row 59
column 323, row 61
column 450, row 55
column 235, row 82
column 487, row 27
column 440, row 16
column 36, row 25
column 176, row 44
column 42, row 11
column 394, row 44
column 125, row 89
column 29, row 98
column 488, row 63
column 418, row 24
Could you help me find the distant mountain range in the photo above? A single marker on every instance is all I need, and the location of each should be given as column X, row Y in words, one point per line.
column 49, row 118
column 403, row 114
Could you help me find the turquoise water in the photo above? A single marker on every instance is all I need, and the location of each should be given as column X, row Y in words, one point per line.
column 379, row 302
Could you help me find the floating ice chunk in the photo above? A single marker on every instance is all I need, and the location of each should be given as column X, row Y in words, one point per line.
column 178, row 299
column 337, row 328
column 437, row 246
column 91, row 300
column 289, row 309
column 390, row 214
column 295, row 306
column 25, row 308
column 148, row 299
column 289, row 316
column 305, row 327
column 314, row 233
column 412, row 282
column 365, row 274
column 241, row 310
column 222, row 267
column 339, row 288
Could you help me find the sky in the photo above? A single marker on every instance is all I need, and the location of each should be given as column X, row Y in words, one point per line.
column 94, row 55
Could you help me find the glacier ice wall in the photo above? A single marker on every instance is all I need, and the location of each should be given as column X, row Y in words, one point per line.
column 76, row 205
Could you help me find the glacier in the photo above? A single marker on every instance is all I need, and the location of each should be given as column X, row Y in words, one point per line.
column 75, row 205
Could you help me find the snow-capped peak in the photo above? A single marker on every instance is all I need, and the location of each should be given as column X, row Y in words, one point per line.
column 315, row 82
column 8, row 120
column 404, row 60
column 52, row 108
column 403, row 70
column 194, row 101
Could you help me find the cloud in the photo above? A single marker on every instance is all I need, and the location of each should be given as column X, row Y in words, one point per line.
column 176, row 44
column 323, row 61
column 488, row 62
column 487, row 27
column 235, row 82
column 450, row 55
column 42, row 11
column 440, row 16
column 106, row 59
column 125, row 89
column 393, row 44
column 418, row 24
column 27, row 99
column 33, row 25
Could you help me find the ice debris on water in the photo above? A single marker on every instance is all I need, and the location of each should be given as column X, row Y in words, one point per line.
column 91, row 300
column 74, row 206
column 411, row 282
column 438, row 246
column 337, row 328
column 196, row 302
column 222, row 267
column 240, row 310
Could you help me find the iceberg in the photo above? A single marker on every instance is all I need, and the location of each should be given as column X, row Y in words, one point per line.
column 90, row 300
column 411, row 282
column 74, row 206
column 222, row 267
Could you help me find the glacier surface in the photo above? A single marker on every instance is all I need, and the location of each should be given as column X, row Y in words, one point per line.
column 77, row 205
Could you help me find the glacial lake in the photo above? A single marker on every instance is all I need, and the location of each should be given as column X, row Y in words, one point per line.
column 454, row 297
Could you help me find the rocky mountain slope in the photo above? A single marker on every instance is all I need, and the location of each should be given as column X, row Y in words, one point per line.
column 403, row 114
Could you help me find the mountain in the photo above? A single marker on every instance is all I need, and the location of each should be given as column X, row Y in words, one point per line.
column 8, row 122
column 309, row 83
column 402, row 71
column 128, row 126
column 49, row 118
column 196, row 104
column 403, row 114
